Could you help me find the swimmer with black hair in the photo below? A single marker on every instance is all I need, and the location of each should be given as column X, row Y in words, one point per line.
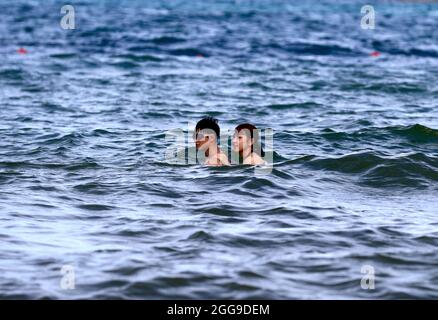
column 206, row 136
column 246, row 141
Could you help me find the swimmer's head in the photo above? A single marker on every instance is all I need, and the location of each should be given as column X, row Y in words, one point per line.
column 206, row 134
column 246, row 136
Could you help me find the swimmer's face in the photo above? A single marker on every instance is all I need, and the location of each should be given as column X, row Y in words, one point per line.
column 241, row 141
column 204, row 139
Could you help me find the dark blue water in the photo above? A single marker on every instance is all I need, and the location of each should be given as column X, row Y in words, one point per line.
column 84, row 181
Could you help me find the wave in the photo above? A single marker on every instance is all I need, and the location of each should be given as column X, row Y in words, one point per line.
column 392, row 48
column 63, row 56
column 125, row 65
column 13, row 75
column 414, row 133
column 285, row 106
column 385, row 87
column 190, row 52
column 70, row 139
column 165, row 40
column 317, row 49
column 138, row 58
column 412, row 170
column 85, row 164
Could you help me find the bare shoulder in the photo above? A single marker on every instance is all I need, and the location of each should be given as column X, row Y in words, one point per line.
column 258, row 160
column 254, row 160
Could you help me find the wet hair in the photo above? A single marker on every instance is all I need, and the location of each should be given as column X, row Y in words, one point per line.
column 208, row 123
column 254, row 136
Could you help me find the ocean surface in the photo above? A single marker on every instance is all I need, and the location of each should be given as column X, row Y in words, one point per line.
column 85, row 185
